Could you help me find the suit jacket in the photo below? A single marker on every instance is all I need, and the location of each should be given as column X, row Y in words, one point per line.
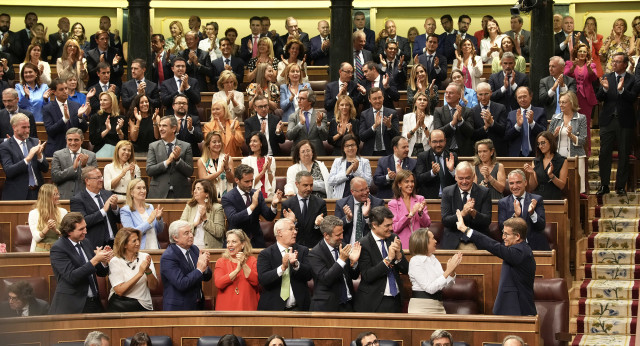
column 182, row 284
column 380, row 176
column 367, row 135
column 419, row 44
column 97, row 229
column 72, row 275
column 269, row 260
column 166, row 67
column 496, row 131
column 201, row 72
column 16, row 170
column 129, row 91
column 112, row 43
column 508, row 97
column 560, row 37
column 331, row 91
column 329, row 278
column 463, row 133
column 57, row 128
column 446, row 42
column 403, row 47
column 397, row 73
column 21, row 42
column 252, row 125
column 56, row 43
column 37, row 307
column 169, row 89
column 429, row 185
column 297, row 132
column 514, row 137
column 308, row 233
column 535, row 231
column 177, row 174
column 370, row 36
column 217, row 67
column 8, row 52
column 3, row 85
column 373, row 272
column 515, row 291
column 390, row 94
column 524, row 49
column 431, row 72
column 5, row 125
column 244, row 51
column 94, row 102
column 93, row 58
column 318, row 56
column 616, row 103
column 237, row 217
column 348, row 225
column 194, row 138
column 67, row 179
column 452, row 201
column 550, row 103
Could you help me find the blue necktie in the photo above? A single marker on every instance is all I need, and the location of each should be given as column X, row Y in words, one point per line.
column 525, row 134
column 343, row 286
column 306, row 118
column 393, row 287
column 32, row 180
column 558, row 99
column 92, row 283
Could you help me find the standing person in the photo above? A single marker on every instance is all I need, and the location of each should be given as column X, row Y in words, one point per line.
column 489, row 172
column 433, row 61
column 138, row 85
column 489, row 119
column 435, row 168
column 189, row 128
column 108, row 55
column 419, row 83
column 290, row 87
column 343, row 124
column 489, row 46
column 518, row 266
column 265, row 87
column 180, row 84
column 567, row 39
column 389, row 166
column 344, row 169
column 569, row 127
column 79, row 34
column 143, row 118
column 469, row 97
column 305, row 210
column 33, row 94
column 344, row 86
column 293, row 33
column 9, row 109
column 161, row 63
column 617, row 42
column 508, row 45
column 236, row 275
column 553, row 85
column 35, row 56
column 265, row 56
column 205, row 215
column 262, row 164
column 45, row 218
column 359, row 24
column 227, row 62
column 504, row 84
column 468, row 62
column 417, row 126
column 455, row 121
column 267, row 123
column 121, row 170
column 214, row 165
column 228, row 128
column 547, row 174
column 307, row 123
column 176, row 43
column 521, row 37
column 594, row 41
column 107, row 127
column 249, row 44
column 210, row 43
column 198, row 61
column 293, row 49
column 305, row 159
column 354, row 210
column 409, row 210
column 142, row 216
column 68, row 162
column 321, row 45
column 524, row 124
column 227, row 85
column 378, row 125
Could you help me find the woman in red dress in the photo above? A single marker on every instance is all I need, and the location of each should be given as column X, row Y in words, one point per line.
column 236, row 275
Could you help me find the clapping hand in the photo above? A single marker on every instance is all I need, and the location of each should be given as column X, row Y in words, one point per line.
column 288, row 214
column 532, row 206
column 391, row 174
column 354, row 254
column 347, row 212
column 517, row 211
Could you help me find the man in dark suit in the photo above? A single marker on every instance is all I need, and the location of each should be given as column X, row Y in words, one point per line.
column 305, row 210
column 138, row 85
column 553, row 85
column 265, row 24
column 189, row 128
column 515, row 291
column 373, row 79
column 293, row 32
column 10, row 102
column 345, row 85
column 104, row 84
column 435, row 168
column 98, row 206
column 4, row 64
column 75, row 262
column 394, row 66
column 489, row 119
column 618, row 90
column 227, row 62
column 320, row 45
column 7, row 38
column 404, row 49
column 240, row 206
column 114, row 37
column 360, row 55
column 523, row 125
column 249, row 43
column 354, row 210
column 68, row 162
column 283, row 271
column 520, row 36
column 161, row 66
column 474, row 202
column 504, row 83
column 307, row 123
column 334, row 267
column 447, row 40
column 381, row 262
column 198, row 61
column 183, row 269
column 21, row 302
column 464, row 21
column 420, row 42
column 106, row 54
column 456, row 122
column 23, row 162
column 22, row 38
column 359, row 23
column 181, row 83
column 435, row 62
column 527, row 206
column 388, row 166
column 378, row 125
column 267, row 123
column 567, row 39
column 62, row 115
column 58, row 39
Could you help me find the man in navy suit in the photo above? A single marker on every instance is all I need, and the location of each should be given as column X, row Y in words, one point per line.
column 388, row 166
column 354, row 210
column 23, row 162
column 359, row 22
column 114, row 37
column 104, row 84
column 489, row 119
column 227, row 62
column 404, row 49
column 360, row 55
column 447, row 40
column 244, row 205
column 249, row 43
column 394, row 66
column 524, row 123
column 456, row 122
column 98, row 206
column 138, row 85
column 75, row 262
column 520, row 36
column 58, row 39
column 181, row 83
column 183, row 269
column 189, row 128
column 22, row 38
column 283, row 271
column 293, row 32
column 474, row 202
column 106, row 54
column 345, row 85
column 568, row 38
column 321, row 45
column 504, row 83
column 378, row 125
column 464, row 21
column 161, row 66
column 435, row 168
column 373, row 79
column 198, row 61
column 527, row 206
column 60, row 116
column 305, row 210
column 435, row 62
column 515, row 291
column 267, row 123
column 420, row 42
column 334, row 267
column 10, row 102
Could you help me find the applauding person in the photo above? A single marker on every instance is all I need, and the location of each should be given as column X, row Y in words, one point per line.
column 236, row 275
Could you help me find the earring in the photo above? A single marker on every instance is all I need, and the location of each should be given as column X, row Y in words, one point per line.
column 206, row 200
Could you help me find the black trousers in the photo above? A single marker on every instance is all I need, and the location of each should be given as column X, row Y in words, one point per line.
column 609, row 135
column 390, row 304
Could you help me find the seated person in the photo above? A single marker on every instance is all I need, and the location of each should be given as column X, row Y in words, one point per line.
column 344, row 169
column 435, row 167
column 489, row 172
column 389, row 166
column 21, row 302
column 305, row 159
column 547, row 174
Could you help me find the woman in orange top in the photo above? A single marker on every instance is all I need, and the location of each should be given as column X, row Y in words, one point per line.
column 236, row 275
column 221, row 121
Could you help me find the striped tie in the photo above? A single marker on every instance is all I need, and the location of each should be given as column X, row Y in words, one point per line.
column 359, row 73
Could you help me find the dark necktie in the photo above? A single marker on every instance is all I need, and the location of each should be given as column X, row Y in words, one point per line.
column 359, row 222
column 393, row 288
column 378, row 141
column 227, row 61
column 92, row 283
column 306, row 120
column 465, row 194
column 440, row 161
column 304, row 208
column 618, row 77
column 169, row 148
column 189, row 260
column 248, row 203
column 343, row 286
column 25, row 151
column 525, row 134
column 521, row 201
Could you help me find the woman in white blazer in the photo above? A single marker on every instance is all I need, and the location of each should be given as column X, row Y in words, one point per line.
column 469, row 63
column 305, row 159
column 418, row 132
column 341, row 175
column 264, row 167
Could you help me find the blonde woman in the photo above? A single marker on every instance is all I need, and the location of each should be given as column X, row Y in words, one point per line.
column 417, row 126
column 345, row 123
column 227, row 84
column 73, row 62
column 205, row 215
column 44, row 219
column 229, row 129
column 106, row 127
column 264, row 85
column 236, row 275
column 289, row 88
column 142, row 216
column 121, row 170
column 419, row 83
column 265, row 56
column 176, row 42
column 214, row 165
column 616, row 42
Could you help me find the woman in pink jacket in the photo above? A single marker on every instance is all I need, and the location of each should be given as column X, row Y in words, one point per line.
column 409, row 210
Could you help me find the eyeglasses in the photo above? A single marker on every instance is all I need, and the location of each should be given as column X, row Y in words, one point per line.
column 96, row 178
column 542, row 143
column 180, row 103
column 13, row 299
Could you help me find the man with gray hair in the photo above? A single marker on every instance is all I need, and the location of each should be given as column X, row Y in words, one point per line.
column 307, row 123
column 441, row 337
column 183, row 269
column 68, row 162
column 96, row 338
column 527, row 206
column 489, row 119
column 283, row 271
column 512, row 340
column 334, row 267
column 10, row 102
column 553, row 85
column 504, row 83
column 305, row 210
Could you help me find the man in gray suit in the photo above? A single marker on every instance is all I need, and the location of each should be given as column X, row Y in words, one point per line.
column 67, row 164
column 456, row 122
column 169, row 163
column 306, row 123
column 520, row 36
column 553, row 85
